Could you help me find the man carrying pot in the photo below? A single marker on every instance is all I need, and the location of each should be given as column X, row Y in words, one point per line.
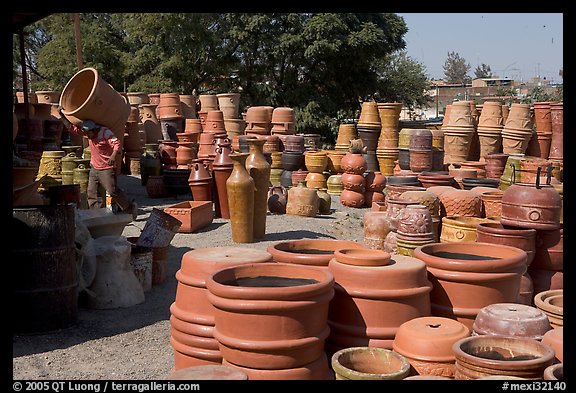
column 105, row 149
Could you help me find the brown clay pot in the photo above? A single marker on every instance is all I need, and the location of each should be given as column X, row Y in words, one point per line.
column 371, row 302
column 365, row 363
column 427, row 344
column 302, row 201
column 271, row 315
column 522, row 238
column 468, row 276
column 353, row 182
column 461, row 203
column 376, row 228
column 554, row 338
column 549, row 250
column 354, row 163
column 511, row 319
column 460, row 228
column 551, row 302
column 482, row 356
column 310, row 252
column 240, row 189
column 259, row 169
column 352, row 198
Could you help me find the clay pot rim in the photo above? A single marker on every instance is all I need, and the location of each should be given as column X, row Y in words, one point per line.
column 340, row 369
column 280, row 253
column 362, row 257
column 215, row 286
column 496, row 228
column 540, row 301
column 466, row 221
column 515, row 258
column 414, row 341
column 546, row 353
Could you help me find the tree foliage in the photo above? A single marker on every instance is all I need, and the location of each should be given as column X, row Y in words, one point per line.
column 456, row 69
column 483, row 71
column 321, row 64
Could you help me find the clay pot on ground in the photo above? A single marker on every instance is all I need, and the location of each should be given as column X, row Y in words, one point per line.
column 353, row 182
column 427, row 344
column 259, row 169
column 522, row 238
column 468, row 276
column 365, row 363
column 271, row 315
column 554, row 372
column 240, row 189
column 302, row 201
column 482, row 356
column 460, row 228
column 554, row 338
column 371, row 302
column 461, row 203
column 376, row 228
column 352, row 198
column 511, row 319
column 551, row 302
column 192, row 315
column 310, row 252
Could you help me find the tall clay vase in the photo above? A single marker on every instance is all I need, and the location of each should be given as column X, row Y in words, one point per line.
column 468, row 276
column 221, row 170
column 240, row 189
column 259, row 169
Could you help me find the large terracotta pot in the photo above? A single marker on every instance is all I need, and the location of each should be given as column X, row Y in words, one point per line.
column 522, row 238
column 259, row 169
column 354, row 163
column 88, row 96
column 365, row 363
column 427, row 344
column 468, row 276
column 240, row 190
column 310, row 252
column 482, row 356
column 192, row 315
column 271, row 315
column 511, row 319
column 371, row 302
column 551, row 302
column 554, row 338
column 549, row 250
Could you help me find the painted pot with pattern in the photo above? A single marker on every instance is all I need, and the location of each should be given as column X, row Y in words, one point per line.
column 460, row 228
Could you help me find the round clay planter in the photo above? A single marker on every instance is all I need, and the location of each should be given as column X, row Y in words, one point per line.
column 554, row 372
column 468, row 276
column 431, row 179
column 482, row 356
column 310, row 252
column 552, row 303
column 317, row 370
column 371, row 302
column 554, row 338
column 271, row 315
column 549, row 253
column 362, row 257
column 527, row 206
column 492, row 203
column 427, row 344
column 352, row 199
column 426, row 198
column 353, row 163
column 460, row 229
column 375, row 181
column 365, row 363
column 511, row 319
column 494, row 232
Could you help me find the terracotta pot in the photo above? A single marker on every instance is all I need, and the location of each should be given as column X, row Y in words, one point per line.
column 240, row 189
column 302, row 201
column 334, row 184
column 426, row 198
column 200, row 181
column 460, row 228
column 554, row 338
column 353, row 182
column 334, row 159
column 468, row 276
column 522, row 238
column 551, row 302
column 221, row 170
column 208, row 102
column 544, row 280
column 376, row 228
column 352, row 198
column 192, row 315
column 427, row 344
column 482, row 356
column 557, row 143
column 394, row 210
column 362, row 257
column 432, row 179
column 271, row 315
column 549, row 250
column 375, row 181
column 371, row 302
column 495, row 164
column 259, row 169
column 316, row 370
column 310, row 252
column 354, row 163
column 315, row 180
column 316, row 161
column 207, row 372
column 364, row 363
column 461, row 203
column 554, row 372
column 511, row 319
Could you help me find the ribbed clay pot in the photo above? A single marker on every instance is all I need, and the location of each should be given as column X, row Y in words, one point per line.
column 371, row 302
column 468, row 276
column 365, row 363
column 482, row 356
column 310, row 252
column 427, row 344
column 551, row 302
column 460, row 228
column 271, row 315
column 511, row 319
column 192, row 315
column 522, row 238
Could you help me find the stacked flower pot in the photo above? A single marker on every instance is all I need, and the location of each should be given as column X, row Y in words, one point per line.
column 134, row 140
column 489, row 129
column 368, row 128
column 517, row 130
column 459, row 132
column 539, row 145
column 169, row 113
column 208, row 102
column 387, row 149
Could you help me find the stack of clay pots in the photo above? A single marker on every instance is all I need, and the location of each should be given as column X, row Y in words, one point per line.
column 368, row 127
column 539, row 145
column 420, row 150
column 292, row 159
column 229, row 104
column 208, row 102
column 283, row 121
column 259, row 120
column 346, row 133
column 404, row 138
column 474, row 153
column 557, row 119
column 459, row 132
column 432, row 202
column 169, row 113
column 414, row 229
column 489, row 128
column 387, row 149
column 517, row 130
column 134, row 140
column 353, row 181
column 316, row 162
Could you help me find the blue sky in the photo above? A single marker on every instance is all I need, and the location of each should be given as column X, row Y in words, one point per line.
column 514, row 45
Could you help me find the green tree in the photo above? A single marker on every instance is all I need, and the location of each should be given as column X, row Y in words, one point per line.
column 456, row 69
column 483, row 71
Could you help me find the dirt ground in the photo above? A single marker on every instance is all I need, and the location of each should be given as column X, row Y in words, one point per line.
column 133, row 343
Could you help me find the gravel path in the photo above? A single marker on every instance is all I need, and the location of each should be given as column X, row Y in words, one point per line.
column 133, row 343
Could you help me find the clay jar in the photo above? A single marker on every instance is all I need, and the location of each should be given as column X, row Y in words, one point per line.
column 259, row 169
column 200, row 181
column 310, row 252
column 511, row 319
column 221, row 170
column 192, row 315
column 371, row 302
column 240, row 189
column 277, row 198
column 459, row 228
column 527, row 206
column 427, row 344
column 376, row 228
column 365, row 363
column 353, row 182
column 468, row 276
column 522, row 238
column 302, row 201
column 354, row 163
column 271, row 315
column 375, row 181
column 482, row 356
column 351, row 198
